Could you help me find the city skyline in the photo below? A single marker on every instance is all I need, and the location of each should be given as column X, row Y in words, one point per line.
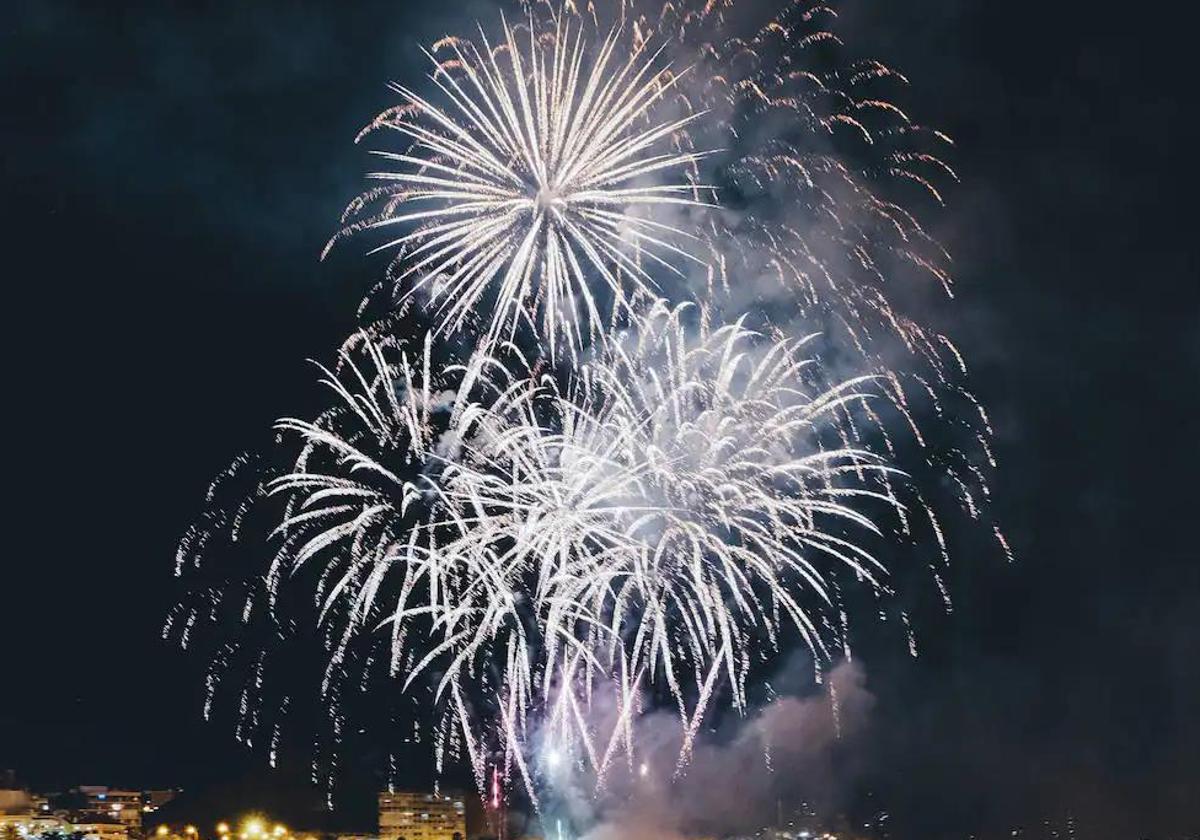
column 401, row 815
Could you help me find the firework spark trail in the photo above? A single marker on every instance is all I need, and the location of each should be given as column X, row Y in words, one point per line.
column 523, row 187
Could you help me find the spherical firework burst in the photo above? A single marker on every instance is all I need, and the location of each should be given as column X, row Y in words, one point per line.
column 525, row 188
column 690, row 500
column 812, row 158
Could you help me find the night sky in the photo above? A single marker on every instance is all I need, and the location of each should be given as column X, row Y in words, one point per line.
column 170, row 177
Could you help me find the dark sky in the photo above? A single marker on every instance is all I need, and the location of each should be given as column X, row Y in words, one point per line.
column 170, row 177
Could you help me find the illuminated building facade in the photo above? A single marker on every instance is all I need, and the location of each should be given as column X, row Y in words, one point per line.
column 121, row 806
column 421, row 816
column 16, row 808
column 102, row 829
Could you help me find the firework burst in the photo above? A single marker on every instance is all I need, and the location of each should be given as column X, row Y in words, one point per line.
column 533, row 542
column 691, row 504
column 530, row 181
column 814, row 152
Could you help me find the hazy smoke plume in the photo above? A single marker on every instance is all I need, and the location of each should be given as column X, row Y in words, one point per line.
column 740, row 775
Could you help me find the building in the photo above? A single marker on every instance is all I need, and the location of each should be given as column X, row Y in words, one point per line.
column 422, row 816
column 104, row 803
column 16, row 807
column 102, row 828
column 95, row 811
column 14, row 801
column 49, row 824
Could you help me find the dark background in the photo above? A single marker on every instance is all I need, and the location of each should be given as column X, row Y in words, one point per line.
column 171, row 176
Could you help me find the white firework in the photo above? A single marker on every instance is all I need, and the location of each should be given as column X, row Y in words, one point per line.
column 684, row 507
column 652, row 520
column 527, row 190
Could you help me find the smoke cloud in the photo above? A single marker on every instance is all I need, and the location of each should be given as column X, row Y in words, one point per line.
column 794, row 749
